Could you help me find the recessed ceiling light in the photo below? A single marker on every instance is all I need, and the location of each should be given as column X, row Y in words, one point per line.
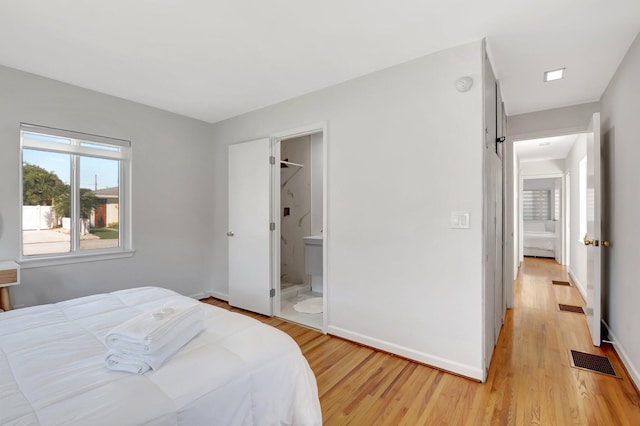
column 554, row 74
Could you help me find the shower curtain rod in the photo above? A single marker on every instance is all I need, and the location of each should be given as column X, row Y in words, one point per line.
column 288, row 163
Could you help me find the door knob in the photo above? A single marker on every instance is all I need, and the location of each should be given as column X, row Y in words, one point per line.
column 586, row 240
column 606, row 243
column 230, row 234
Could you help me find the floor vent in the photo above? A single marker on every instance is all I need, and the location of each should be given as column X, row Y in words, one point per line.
column 561, row 282
column 590, row 362
column 571, row 308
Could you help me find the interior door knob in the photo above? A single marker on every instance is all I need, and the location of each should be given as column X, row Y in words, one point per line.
column 606, row 243
column 586, row 240
column 230, row 234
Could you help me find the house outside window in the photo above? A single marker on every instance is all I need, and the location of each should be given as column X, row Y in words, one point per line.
column 75, row 195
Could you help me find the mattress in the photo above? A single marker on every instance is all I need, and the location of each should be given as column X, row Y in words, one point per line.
column 237, row 371
column 540, row 240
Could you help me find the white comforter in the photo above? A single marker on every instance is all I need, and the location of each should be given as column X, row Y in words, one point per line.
column 238, row 371
column 540, row 240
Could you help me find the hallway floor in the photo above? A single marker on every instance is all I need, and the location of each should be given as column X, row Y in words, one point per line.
column 531, row 370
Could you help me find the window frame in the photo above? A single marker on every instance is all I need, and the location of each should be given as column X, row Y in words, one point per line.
column 76, row 152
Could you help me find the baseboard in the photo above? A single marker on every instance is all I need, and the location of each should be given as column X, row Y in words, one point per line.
column 421, row 357
column 626, row 360
column 581, row 288
column 198, row 296
column 218, row 295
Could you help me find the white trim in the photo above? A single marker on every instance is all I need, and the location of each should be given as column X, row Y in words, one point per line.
column 567, row 131
column 632, row 369
column 219, row 295
column 581, row 288
column 85, row 137
column 198, row 296
column 75, row 151
column 310, row 129
column 38, row 262
column 424, row 358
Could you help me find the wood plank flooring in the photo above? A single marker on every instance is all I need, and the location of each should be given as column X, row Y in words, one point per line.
column 530, row 381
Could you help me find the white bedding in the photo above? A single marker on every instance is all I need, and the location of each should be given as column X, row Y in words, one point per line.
column 540, row 240
column 238, row 371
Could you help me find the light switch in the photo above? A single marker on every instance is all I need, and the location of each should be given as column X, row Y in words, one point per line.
column 460, row 220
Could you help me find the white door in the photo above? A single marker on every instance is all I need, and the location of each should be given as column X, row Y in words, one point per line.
column 499, row 306
column 594, row 231
column 249, row 237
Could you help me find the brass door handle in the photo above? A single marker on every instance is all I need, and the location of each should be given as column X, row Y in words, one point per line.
column 595, row 243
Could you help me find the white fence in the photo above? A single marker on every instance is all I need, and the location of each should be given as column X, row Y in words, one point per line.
column 84, row 225
column 38, row 218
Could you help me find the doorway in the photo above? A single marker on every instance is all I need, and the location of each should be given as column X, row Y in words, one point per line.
column 543, row 198
column 300, row 296
column 256, row 217
column 299, row 210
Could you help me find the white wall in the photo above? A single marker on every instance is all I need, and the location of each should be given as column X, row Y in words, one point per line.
column 541, row 168
column 621, row 151
column 551, row 122
column 578, row 251
column 404, row 150
column 171, row 180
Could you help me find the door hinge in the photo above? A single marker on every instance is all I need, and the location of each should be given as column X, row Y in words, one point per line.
column 272, row 226
column 272, row 292
column 272, row 160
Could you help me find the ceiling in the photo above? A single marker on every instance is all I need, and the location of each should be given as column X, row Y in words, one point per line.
column 553, row 148
column 215, row 59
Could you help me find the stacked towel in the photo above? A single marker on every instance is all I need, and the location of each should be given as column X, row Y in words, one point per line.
column 146, row 341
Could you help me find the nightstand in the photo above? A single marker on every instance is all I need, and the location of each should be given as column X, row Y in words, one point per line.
column 9, row 275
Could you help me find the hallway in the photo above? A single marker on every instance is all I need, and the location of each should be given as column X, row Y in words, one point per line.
column 531, row 370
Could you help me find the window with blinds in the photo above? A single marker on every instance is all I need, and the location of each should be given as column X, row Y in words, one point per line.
column 536, row 204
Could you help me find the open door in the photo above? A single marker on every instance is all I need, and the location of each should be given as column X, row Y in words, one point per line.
column 249, row 235
column 593, row 239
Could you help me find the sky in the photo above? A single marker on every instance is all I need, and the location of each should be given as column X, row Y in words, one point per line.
column 104, row 170
column 92, row 170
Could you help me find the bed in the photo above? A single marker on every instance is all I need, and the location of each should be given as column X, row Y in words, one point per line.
column 538, row 241
column 237, row 371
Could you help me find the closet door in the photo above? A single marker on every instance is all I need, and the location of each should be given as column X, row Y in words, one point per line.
column 248, row 232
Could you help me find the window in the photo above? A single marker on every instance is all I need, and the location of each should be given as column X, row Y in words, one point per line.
column 536, row 204
column 74, row 194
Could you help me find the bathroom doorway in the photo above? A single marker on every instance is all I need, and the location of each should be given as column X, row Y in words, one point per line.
column 299, row 203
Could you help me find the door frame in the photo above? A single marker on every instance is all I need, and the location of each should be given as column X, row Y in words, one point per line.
column 276, row 139
column 520, row 212
column 512, row 253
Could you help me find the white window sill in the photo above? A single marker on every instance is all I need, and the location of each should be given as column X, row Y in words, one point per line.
column 42, row 261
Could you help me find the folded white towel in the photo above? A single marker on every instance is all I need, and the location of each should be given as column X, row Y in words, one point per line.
column 151, row 331
column 120, row 360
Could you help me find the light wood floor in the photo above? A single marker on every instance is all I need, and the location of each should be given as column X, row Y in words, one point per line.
column 530, row 380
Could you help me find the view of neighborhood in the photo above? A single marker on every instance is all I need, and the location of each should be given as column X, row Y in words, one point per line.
column 46, row 206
